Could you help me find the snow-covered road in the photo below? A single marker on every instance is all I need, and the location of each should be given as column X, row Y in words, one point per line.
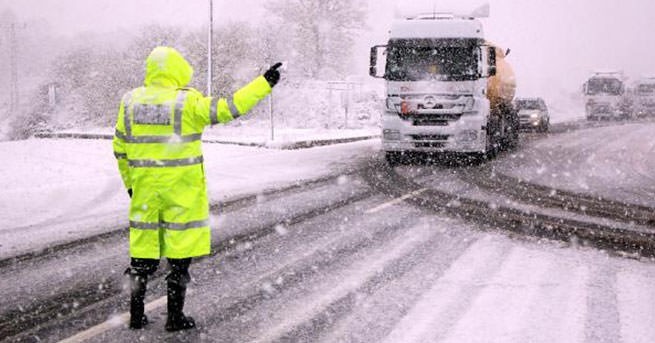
column 615, row 162
column 411, row 277
column 343, row 259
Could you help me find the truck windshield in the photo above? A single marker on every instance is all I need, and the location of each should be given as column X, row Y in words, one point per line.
column 608, row 86
column 443, row 60
column 646, row 88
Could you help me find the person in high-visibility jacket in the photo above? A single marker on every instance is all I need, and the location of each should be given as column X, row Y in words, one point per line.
column 157, row 143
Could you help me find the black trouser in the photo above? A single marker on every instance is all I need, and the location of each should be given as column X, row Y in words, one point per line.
column 148, row 266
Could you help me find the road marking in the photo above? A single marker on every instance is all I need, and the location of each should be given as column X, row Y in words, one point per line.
column 396, row 201
column 111, row 323
column 360, row 272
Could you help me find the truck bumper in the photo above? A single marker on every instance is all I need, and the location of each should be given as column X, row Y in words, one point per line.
column 466, row 135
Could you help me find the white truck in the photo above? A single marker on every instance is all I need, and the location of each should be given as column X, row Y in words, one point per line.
column 643, row 97
column 448, row 89
column 605, row 96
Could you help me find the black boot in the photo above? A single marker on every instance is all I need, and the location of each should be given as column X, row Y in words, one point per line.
column 138, row 284
column 176, row 282
column 176, row 319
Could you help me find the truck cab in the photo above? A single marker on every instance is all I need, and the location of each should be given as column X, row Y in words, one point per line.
column 605, row 96
column 439, row 73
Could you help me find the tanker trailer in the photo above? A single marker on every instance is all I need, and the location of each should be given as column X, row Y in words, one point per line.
column 501, row 89
column 448, row 89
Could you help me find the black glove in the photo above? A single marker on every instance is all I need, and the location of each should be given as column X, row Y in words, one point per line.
column 129, row 192
column 272, row 75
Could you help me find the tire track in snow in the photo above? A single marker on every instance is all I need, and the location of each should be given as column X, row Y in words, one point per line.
column 544, row 196
column 301, row 320
column 440, row 307
column 499, row 312
column 255, row 275
column 636, row 306
column 377, row 313
column 604, row 324
column 612, row 236
column 555, row 306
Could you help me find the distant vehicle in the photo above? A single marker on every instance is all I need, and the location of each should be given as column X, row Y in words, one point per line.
column 448, row 88
column 605, row 96
column 643, row 97
column 533, row 114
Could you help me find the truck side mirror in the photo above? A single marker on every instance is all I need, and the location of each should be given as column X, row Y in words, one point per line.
column 492, row 61
column 373, row 67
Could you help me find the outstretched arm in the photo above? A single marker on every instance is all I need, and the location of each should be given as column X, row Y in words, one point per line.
column 223, row 110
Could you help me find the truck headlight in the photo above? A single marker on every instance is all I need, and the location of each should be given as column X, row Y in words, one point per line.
column 469, row 104
column 391, row 135
column 391, row 104
column 534, row 116
column 468, row 136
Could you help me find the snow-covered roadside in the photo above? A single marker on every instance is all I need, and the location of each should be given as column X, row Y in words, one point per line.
column 615, row 162
column 279, row 138
column 56, row 190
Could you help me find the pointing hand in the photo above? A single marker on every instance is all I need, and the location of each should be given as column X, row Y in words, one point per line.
column 272, row 75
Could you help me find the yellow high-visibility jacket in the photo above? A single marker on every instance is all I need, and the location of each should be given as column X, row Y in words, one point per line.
column 158, row 147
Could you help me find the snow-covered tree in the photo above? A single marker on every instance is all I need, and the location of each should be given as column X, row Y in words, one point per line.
column 322, row 34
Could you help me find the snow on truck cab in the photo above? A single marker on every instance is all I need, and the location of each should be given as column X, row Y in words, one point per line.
column 448, row 89
column 605, row 96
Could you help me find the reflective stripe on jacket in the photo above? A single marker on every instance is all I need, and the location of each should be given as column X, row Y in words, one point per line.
column 157, row 143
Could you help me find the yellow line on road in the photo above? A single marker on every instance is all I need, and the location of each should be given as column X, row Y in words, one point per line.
column 396, row 201
column 119, row 320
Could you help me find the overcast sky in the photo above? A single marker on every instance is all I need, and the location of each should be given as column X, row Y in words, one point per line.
column 555, row 43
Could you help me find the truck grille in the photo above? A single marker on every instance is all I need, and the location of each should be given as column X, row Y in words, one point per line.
column 430, row 141
column 434, row 119
column 430, row 122
column 430, row 145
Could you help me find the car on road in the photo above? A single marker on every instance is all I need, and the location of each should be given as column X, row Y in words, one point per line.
column 533, row 114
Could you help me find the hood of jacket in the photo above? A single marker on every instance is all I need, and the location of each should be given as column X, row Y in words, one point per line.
column 165, row 67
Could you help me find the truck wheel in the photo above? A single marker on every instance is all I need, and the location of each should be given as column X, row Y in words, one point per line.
column 491, row 148
column 513, row 139
column 394, row 158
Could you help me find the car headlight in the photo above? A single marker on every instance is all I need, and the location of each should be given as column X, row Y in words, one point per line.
column 534, row 115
